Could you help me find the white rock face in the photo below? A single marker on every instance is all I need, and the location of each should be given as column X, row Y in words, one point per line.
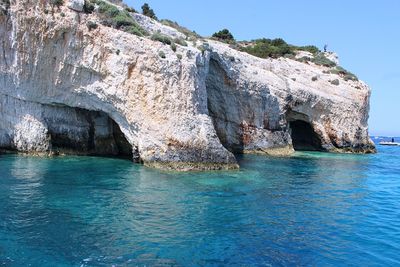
column 65, row 89
column 30, row 134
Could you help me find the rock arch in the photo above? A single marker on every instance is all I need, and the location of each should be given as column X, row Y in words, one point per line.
column 87, row 132
column 57, row 129
column 246, row 117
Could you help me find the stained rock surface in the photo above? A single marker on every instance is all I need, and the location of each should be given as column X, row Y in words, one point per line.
column 68, row 88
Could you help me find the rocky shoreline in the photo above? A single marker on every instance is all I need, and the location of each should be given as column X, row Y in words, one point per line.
column 66, row 85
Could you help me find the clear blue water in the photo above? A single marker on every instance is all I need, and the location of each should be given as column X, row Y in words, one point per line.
column 311, row 209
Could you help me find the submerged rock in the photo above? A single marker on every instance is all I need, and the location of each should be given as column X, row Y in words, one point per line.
column 67, row 87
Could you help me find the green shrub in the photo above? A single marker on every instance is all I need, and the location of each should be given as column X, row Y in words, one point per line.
column 62, row 14
column 265, row 48
column 130, row 10
column 173, row 46
column 161, row 54
column 320, row 59
column 347, row 75
column 309, row 48
column 136, row 30
column 161, row 38
column 88, row 7
column 278, row 42
column 333, row 71
column 122, row 19
column 91, row 25
column 119, row 19
column 314, row 78
column 107, row 9
column 147, row 11
column 225, row 36
column 179, row 56
column 304, row 59
column 350, row 77
column 180, row 41
column 340, row 70
column 275, row 48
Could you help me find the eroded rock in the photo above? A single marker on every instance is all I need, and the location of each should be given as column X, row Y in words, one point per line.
column 187, row 112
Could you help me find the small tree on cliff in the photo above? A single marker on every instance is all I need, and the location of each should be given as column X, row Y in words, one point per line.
column 149, row 12
column 225, row 36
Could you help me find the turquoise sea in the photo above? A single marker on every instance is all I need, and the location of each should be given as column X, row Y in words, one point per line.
column 312, row 209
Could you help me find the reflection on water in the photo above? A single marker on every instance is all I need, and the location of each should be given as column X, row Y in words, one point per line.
column 310, row 209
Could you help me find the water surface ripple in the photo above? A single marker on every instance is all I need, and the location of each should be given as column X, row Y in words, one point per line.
column 311, row 209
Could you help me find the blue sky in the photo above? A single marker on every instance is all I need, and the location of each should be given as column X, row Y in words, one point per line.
column 365, row 34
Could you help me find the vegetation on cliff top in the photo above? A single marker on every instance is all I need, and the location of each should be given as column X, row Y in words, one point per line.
column 112, row 16
column 345, row 74
column 263, row 48
column 224, row 36
column 276, row 48
column 121, row 19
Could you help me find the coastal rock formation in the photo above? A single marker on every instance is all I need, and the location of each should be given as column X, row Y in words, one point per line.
column 272, row 105
column 66, row 88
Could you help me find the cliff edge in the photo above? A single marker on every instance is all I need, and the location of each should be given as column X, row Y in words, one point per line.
column 71, row 83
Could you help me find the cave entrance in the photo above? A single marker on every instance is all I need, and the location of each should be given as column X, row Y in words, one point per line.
column 79, row 131
column 304, row 137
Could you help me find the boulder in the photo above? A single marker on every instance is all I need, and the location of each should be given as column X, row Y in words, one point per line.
column 76, row 5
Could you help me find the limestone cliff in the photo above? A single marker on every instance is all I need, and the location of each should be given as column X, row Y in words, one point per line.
column 66, row 87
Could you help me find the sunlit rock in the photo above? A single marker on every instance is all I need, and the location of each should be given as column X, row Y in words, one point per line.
column 65, row 86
